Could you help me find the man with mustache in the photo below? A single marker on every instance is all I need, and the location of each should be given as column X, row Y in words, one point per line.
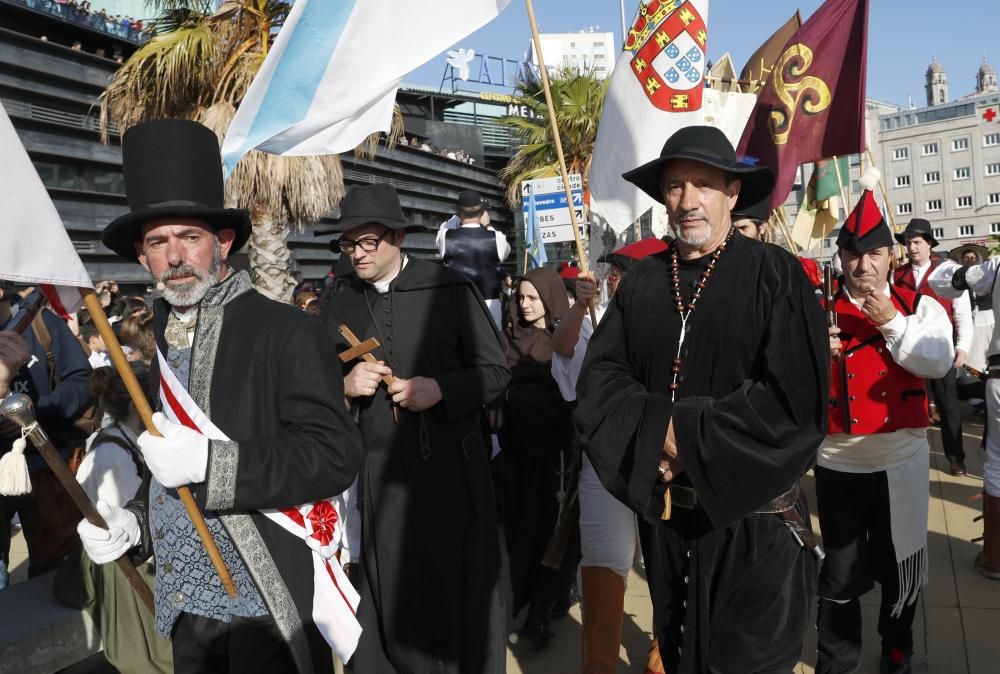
column 251, row 373
column 702, row 401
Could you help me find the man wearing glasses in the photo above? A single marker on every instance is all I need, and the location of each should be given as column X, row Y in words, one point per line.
column 430, row 561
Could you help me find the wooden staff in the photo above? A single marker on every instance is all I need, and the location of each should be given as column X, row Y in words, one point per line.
column 558, row 142
column 18, row 408
column 93, row 304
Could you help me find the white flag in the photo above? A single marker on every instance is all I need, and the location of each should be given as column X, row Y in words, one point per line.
column 36, row 248
column 330, row 78
column 658, row 87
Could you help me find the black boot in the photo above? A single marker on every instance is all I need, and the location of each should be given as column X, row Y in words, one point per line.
column 536, row 627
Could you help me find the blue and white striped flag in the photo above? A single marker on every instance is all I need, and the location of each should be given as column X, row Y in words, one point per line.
column 330, row 78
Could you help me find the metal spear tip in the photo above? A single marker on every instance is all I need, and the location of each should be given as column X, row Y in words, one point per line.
column 18, row 408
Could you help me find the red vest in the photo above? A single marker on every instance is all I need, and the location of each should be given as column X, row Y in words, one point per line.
column 869, row 391
column 903, row 277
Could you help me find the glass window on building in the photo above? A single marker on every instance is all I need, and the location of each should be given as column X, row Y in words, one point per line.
column 959, row 144
column 929, row 149
column 994, row 198
column 993, row 169
column 995, row 228
column 963, row 202
column 904, row 209
column 932, row 177
column 933, row 205
column 991, row 139
column 963, row 173
column 938, row 232
column 903, row 181
column 966, row 230
column 901, row 153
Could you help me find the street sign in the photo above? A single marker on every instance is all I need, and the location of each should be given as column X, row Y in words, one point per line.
column 546, row 198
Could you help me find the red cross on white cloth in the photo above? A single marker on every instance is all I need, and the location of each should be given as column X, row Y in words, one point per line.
column 335, row 601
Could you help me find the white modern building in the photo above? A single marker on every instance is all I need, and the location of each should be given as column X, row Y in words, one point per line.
column 583, row 52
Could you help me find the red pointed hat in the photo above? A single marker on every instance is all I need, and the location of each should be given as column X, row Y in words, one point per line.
column 865, row 228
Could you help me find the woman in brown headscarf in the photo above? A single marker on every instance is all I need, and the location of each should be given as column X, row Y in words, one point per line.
column 537, row 440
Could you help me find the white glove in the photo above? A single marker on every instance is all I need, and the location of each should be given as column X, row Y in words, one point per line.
column 179, row 458
column 107, row 545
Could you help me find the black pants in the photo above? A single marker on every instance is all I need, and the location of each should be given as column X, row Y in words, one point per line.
column 945, row 394
column 207, row 646
column 857, row 535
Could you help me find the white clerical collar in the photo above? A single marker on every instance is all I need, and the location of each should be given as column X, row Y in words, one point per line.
column 383, row 286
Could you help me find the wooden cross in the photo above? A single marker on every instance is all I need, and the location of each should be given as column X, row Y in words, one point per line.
column 363, row 350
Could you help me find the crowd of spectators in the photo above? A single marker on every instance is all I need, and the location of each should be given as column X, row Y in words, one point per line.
column 455, row 155
column 125, row 27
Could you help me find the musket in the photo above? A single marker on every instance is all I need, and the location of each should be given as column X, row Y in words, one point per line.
column 18, row 408
column 829, row 304
column 568, row 519
column 27, row 309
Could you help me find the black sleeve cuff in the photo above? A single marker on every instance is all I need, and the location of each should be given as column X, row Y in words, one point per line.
column 958, row 280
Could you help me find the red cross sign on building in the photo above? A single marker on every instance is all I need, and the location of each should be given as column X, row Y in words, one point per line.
column 989, row 115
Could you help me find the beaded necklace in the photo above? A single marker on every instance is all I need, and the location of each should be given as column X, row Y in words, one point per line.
column 685, row 311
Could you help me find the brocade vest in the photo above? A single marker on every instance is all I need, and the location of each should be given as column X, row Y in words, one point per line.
column 473, row 252
column 869, row 391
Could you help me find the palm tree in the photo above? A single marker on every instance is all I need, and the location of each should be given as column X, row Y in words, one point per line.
column 199, row 67
column 578, row 99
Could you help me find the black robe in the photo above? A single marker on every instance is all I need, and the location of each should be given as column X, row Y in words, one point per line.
column 430, row 580
column 261, row 370
column 749, row 415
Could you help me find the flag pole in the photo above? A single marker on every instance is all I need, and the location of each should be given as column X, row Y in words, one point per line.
column 93, row 304
column 558, row 143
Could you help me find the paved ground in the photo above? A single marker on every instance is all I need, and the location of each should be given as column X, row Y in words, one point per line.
column 956, row 627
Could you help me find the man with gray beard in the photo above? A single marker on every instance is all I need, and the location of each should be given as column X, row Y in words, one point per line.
column 702, row 421
column 250, row 420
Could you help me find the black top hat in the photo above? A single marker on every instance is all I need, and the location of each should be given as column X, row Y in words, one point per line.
column 918, row 227
column 708, row 145
column 172, row 168
column 372, row 204
column 760, row 211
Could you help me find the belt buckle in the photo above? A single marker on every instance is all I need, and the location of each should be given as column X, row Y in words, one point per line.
column 683, row 497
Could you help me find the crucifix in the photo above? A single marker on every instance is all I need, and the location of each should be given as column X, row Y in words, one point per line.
column 363, row 350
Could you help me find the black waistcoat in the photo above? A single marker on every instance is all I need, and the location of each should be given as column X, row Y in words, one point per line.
column 473, row 251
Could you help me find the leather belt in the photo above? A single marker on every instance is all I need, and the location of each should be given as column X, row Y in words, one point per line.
column 686, row 497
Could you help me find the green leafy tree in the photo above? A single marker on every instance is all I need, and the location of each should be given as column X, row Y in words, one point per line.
column 199, row 66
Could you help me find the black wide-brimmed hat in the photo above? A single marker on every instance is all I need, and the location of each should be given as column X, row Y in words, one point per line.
column 172, row 168
column 371, row 204
column 918, row 227
column 708, row 145
column 760, row 211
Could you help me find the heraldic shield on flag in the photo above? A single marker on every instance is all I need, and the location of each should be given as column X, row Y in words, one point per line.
column 668, row 44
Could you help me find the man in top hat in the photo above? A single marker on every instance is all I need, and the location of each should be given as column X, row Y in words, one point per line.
column 952, row 280
column 702, row 415
column 871, row 472
column 430, row 575
column 918, row 239
column 469, row 244
column 252, row 374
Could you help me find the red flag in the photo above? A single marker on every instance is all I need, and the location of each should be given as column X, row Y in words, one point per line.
column 813, row 103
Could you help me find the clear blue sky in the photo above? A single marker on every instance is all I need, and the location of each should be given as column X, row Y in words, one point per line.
column 902, row 34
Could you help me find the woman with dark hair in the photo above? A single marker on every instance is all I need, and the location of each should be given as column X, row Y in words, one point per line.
column 112, row 471
column 537, row 442
column 137, row 335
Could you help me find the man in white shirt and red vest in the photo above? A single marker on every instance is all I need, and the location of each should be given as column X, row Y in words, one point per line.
column 888, row 340
column 918, row 238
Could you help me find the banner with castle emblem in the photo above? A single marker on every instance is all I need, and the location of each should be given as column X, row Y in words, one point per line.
column 657, row 88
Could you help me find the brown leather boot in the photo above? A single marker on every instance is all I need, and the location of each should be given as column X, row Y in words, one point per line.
column 603, row 603
column 988, row 560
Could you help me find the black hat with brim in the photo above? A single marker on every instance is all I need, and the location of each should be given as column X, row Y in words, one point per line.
column 760, row 211
column 918, row 227
column 707, row 145
column 173, row 169
column 982, row 252
column 376, row 204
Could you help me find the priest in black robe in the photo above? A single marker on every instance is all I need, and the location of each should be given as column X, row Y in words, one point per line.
column 702, row 401
column 430, row 573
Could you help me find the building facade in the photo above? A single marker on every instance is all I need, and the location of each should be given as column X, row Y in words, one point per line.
column 586, row 52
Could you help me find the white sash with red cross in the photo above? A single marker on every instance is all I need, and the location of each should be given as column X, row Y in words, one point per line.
column 335, row 601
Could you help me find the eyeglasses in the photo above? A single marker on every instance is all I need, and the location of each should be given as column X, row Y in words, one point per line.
column 368, row 245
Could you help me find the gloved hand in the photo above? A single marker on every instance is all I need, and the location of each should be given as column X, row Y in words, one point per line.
column 107, row 545
column 179, row 458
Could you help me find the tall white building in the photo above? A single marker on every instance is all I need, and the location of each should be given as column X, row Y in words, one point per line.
column 584, row 52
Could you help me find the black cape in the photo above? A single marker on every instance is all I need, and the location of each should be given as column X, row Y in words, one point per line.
column 749, row 415
column 430, row 582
